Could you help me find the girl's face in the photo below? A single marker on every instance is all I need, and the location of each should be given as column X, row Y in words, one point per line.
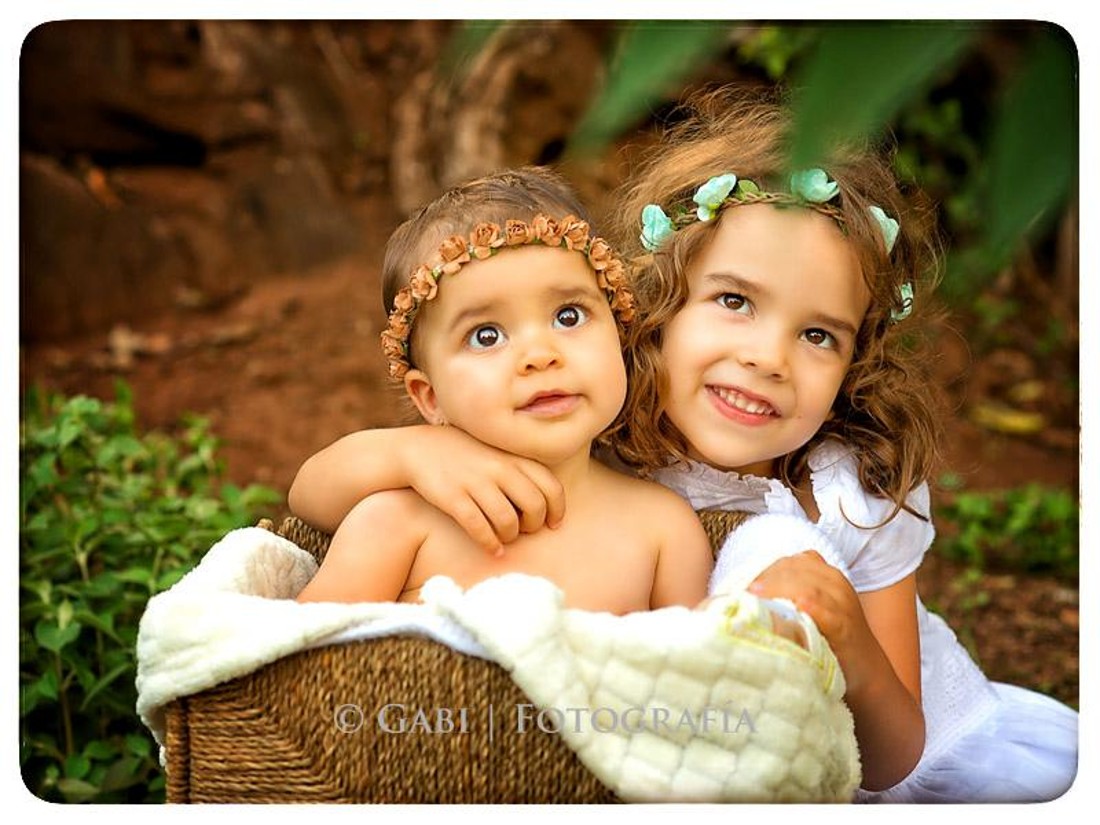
column 521, row 351
column 756, row 356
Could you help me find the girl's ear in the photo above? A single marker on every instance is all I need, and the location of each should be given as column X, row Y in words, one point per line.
column 420, row 390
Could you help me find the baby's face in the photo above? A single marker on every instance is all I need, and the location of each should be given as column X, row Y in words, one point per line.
column 522, row 352
column 760, row 349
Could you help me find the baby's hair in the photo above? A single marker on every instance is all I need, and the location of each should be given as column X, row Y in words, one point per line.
column 883, row 409
column 518, row 194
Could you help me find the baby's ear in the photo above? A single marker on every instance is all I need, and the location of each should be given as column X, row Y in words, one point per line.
column 420, row 390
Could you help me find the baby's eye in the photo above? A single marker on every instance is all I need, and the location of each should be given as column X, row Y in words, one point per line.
column 820, row 338
column 486, row 336
column 570, row 316
column 736, row 302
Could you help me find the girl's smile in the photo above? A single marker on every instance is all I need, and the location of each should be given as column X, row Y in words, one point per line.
column 741, row 406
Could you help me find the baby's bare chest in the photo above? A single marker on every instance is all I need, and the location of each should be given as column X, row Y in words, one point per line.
column 598, row 565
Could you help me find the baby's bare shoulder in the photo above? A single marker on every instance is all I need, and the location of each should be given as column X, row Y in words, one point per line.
column 399, row 511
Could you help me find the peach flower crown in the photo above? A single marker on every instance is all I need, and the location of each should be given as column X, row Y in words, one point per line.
column 486, row 240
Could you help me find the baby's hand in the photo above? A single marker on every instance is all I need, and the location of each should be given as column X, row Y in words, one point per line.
column 825, row 594
column 493, row 495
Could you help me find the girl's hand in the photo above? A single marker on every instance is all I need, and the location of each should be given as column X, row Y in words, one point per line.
column 881, row 672
column 825, row 594
column 493, row 495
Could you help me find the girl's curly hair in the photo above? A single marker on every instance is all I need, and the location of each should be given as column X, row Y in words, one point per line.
column 884, row 410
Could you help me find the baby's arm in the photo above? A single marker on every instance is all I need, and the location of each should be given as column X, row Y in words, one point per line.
column 372, row 552
column 876, row 640
column 684, row 561
column 491, row 494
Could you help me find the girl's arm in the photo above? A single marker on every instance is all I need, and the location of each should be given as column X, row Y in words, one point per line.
column 876, row 641
column 491, row 494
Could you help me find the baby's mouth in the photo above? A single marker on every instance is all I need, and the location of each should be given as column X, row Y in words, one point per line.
column 551, row 403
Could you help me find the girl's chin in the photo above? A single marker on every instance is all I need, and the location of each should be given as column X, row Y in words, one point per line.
column 740, row 464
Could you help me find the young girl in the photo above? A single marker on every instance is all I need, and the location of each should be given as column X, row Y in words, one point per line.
column 770, row 373
column 510, row 332
column 770, row 361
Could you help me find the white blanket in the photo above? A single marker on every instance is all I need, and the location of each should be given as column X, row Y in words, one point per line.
column 667, row 705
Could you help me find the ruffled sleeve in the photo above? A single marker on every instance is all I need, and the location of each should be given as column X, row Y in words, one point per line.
column 877, row 555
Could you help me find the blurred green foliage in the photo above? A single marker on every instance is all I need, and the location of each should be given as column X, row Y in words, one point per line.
column 107, row 519
column 1031, row 529
column 995, row 146
column 650, row 59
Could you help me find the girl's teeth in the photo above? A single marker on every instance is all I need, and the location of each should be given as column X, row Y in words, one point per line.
column 740, row 402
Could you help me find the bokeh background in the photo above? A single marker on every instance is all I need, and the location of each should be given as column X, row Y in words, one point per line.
column 203, row 208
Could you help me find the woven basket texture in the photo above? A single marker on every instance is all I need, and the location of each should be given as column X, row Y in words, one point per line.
column 279, row 734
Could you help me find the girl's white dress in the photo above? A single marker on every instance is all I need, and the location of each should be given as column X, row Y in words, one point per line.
column 984, row 741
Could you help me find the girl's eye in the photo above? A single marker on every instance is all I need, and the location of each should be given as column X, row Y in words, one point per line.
column 569, row 316
column 820, row 338
column 736, row 302
column 486, row 336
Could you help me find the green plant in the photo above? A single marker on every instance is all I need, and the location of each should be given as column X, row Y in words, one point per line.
column 1002, row 183
column 108, row 518
column 1031, row 528
column 776, row 48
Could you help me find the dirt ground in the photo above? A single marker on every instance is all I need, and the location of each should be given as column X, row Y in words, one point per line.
column 295, row 363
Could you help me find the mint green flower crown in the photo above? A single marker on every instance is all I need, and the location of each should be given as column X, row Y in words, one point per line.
column 810, row 188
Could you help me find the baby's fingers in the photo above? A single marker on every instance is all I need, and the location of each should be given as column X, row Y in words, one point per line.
column 470, row 516
column 549, row 506
column 500, row 512
column 528, row 501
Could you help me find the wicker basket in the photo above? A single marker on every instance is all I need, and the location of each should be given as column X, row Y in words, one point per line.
column 289, row 733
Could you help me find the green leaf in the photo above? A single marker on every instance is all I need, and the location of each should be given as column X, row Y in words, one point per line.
column 170, row 577
column 69, row 431
column 98, row 750
column 135, row 575
column 54, row 638
column 122, row 774
column 139, row 745
column 46, row 685
column 77, row 766
column 77, row 790
column 860, row 75
column 653, row 59
column 103, row 622
column 1033, row 151
column 43, row 471
column 64, row 614
column 106, row 681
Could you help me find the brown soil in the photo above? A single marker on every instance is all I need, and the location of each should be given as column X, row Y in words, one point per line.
column 294, row 364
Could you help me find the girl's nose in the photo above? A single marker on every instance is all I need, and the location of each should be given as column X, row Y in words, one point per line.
column 765, row 354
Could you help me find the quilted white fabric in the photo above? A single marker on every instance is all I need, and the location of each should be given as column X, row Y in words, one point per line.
column 701, row 705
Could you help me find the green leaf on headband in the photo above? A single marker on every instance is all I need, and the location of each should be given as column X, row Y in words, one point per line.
column 860, row 76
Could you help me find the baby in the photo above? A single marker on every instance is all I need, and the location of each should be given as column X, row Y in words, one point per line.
column 512, row 333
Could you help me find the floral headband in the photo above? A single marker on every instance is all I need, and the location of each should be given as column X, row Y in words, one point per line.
column 487, row 240
column 810, row 188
